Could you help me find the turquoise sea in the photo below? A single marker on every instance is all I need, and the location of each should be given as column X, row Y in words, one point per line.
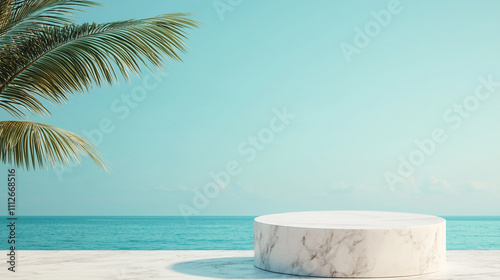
column 195, row 233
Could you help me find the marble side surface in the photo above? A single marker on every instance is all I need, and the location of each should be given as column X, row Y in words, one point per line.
column 200, row 265
column 350, row 243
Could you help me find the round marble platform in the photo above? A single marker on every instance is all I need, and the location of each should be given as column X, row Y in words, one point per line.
column 350, row 243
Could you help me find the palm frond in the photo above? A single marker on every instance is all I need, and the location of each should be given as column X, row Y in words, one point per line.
column 18, row 16
column 57, row 61
column 31, row 145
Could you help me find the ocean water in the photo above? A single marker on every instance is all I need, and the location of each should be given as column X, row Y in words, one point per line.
column 197, row 233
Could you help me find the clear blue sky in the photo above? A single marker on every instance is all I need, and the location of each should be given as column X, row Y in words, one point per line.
column 354, row 114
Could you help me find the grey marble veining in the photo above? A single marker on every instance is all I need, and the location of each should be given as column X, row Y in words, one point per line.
column 350, row 243
column 200, row 265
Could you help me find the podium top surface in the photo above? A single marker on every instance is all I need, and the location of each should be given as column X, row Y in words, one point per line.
column 350, row 220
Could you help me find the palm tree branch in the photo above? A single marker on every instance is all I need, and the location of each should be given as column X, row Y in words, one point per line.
column 18, row 16
column 66, row 59
column 31, row 145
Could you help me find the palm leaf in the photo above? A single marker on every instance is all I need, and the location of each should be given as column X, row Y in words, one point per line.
column 30, row 145
column 55, row 62
column 18, row 16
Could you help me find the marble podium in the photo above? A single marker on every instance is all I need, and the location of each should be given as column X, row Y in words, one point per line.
column 350, row 243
